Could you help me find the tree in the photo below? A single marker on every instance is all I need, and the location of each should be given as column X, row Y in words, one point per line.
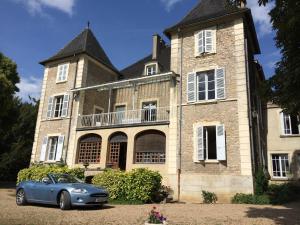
column 17, row 123
column 284, row 87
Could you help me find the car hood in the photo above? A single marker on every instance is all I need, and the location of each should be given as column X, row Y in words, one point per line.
column 88, row 187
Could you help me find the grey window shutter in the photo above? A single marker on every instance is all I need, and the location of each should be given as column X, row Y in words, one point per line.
column 65, row 106
column 200, row 143
column 200, row 42
column 221, row 146
column 208, row 41
column 220, row 83
column 44, row 149
column 191, row 87
column 59, row 149
column 50, row 107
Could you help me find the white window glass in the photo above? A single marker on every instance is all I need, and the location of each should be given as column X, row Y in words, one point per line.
column 280, row 165
column 206, row 85
column 150, row 70
column 52, row 147
column 58, row 106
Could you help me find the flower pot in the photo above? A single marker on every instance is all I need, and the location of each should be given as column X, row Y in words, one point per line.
column 165, row 223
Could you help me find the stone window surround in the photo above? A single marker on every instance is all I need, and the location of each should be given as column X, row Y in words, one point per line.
column 47, row 153
column 271, row 164
column 151, row 64
column 57, row 118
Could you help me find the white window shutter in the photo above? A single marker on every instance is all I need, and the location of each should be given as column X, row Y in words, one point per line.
column 50, row 107
column 65, row 106
column 59, row 149
column 44, row 149
column 208, row 41
column 191, row 87
column 221, row 146
column 220, row 83
column 214, row 40
column 200, row 143
column 200, row 41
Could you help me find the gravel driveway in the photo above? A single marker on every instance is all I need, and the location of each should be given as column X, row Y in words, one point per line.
column 181, row 214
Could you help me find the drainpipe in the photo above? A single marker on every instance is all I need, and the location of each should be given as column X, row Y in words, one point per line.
column 180, row 117
column 249, row 105
column 71, row 113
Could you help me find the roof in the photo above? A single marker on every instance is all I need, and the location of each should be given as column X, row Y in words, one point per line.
column 209, row 10
column 86, row 43
column 137, row 69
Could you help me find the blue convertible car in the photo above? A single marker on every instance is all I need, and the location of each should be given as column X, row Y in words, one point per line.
column 60, row 189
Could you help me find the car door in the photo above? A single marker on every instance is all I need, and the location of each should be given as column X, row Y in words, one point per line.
column 42, row 191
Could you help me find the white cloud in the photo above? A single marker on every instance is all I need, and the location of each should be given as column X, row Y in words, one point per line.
column 261, row 16
column 29, row 87
column 37, row 6
column 170, row 3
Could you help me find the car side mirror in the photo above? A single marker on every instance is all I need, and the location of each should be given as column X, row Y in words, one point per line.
column 46, row 180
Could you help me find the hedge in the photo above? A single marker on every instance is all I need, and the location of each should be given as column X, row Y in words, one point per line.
column 37, row 172
column 137, row 185
column 241, row 198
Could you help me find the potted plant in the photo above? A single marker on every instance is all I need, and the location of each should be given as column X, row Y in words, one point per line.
column 155, row 217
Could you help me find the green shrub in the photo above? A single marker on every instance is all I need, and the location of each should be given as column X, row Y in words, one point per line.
column 241, row 198
column 209, row 197
column 283, row 193
column 136, row 185
column 37, row 172
column 261, row 182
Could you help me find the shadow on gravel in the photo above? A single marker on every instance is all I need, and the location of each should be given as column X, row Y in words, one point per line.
column 282, row 216
column 78, row 208
column 7, row 185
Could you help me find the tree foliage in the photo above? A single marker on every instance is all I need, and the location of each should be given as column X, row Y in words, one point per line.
column 17, row 123
column 283, row 88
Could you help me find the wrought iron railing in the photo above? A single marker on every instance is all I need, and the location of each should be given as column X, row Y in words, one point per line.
column 141, row 116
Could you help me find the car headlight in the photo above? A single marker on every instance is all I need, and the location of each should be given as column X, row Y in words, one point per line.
column 79, row 190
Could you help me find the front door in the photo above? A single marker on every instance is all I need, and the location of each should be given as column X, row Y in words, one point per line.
column 118, row 155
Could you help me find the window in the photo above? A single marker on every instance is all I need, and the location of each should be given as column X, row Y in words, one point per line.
column 52, row 147
column 150, row 147
column 206, row 85
column 209, row 143
column 120, row 113
column 149, row 111
column 58, row 103
column 151, row 69
column 280, row 165
column 205, row 41
column 58, row 106
column 62, row 72
column 89, row 149
column 290, row 124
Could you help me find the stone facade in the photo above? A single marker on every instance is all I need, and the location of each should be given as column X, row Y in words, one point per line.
column 186, row 177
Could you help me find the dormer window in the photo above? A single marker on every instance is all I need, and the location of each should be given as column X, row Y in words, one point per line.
column 205, row 41
column 62, row 72
column 151, row 69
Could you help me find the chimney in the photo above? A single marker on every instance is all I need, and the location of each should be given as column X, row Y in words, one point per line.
column 158, row 44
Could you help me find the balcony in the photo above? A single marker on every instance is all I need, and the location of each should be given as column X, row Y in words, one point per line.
column 124, row 118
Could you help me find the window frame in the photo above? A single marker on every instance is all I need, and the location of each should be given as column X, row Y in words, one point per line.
column 49, row 146
column 60, row 106
column 149, row 65
column 206, row 82
column 283, row 124
column 58, row 80
column 280, row 159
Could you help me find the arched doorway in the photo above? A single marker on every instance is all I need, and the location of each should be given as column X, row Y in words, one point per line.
column 150, row 147
column 89, row 149
column 117, row 151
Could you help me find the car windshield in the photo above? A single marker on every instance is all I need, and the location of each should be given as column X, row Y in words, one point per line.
column 65, row 178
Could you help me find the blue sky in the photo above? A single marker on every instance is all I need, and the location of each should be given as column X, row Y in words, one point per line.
column 33, row 30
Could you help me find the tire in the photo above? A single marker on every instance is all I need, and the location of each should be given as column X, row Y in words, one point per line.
column 65, row 201
column 21, row 197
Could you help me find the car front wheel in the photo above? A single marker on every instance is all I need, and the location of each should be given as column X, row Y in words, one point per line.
column 20, row 197
column 64, row 201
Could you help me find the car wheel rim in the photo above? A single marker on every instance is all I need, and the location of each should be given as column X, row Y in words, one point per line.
column 61, row 202
column 20, row 196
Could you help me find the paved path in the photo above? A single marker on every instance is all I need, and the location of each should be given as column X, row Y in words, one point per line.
column 181, row 214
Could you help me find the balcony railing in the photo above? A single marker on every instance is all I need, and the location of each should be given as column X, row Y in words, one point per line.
column 141, row 116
